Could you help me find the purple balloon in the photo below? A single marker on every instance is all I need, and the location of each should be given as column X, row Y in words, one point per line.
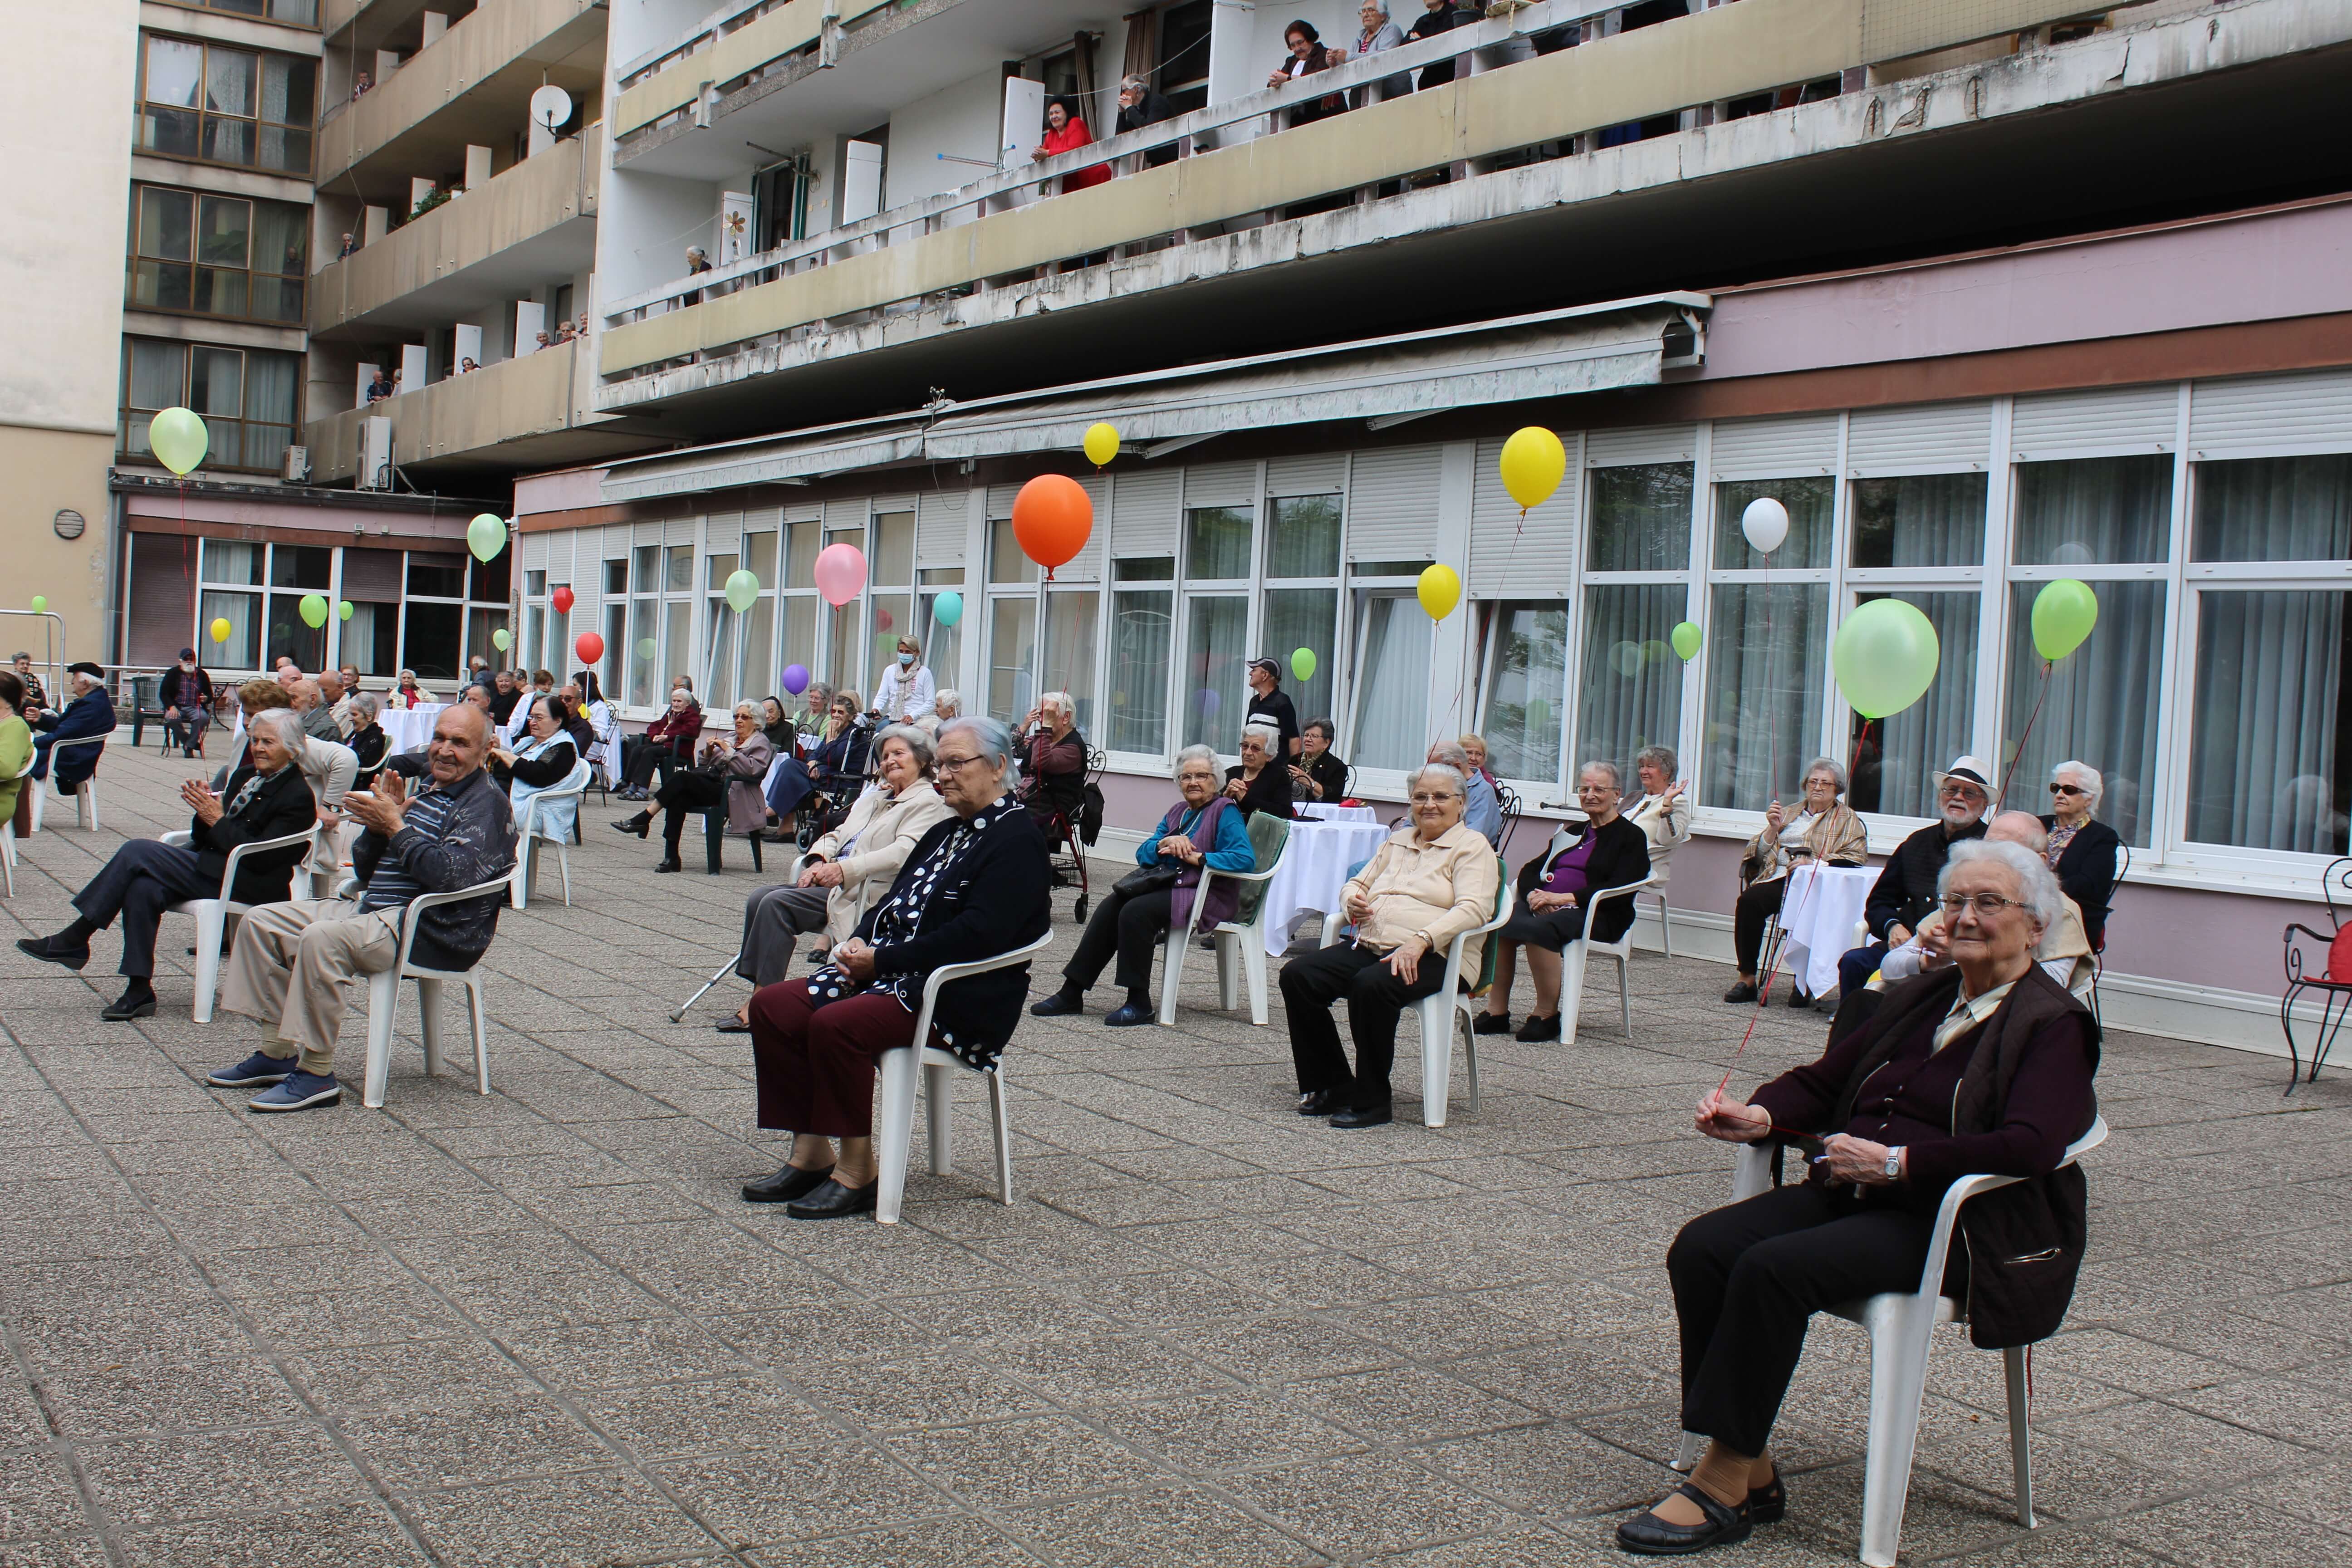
column 1210, row 702
column 796, row 679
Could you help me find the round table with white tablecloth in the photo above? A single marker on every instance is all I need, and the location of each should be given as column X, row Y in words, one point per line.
column 1324, row 812
column 1313, row 870
column 405, row 729
column 1818, row 913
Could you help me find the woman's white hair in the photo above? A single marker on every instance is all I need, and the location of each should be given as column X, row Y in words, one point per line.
column 1205, row 755
column 989, row 734
column 1450, row 774
column 913, row 740
column 1602, row 765
column 742, row 708
column 1830, row 765
column 2036, row 887
column 948, row 696
column 1379, row 6
column 287, row 725
column 2082, row 774
column 367, row 702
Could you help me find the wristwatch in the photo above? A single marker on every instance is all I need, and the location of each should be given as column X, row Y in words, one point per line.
column 1895, row 1164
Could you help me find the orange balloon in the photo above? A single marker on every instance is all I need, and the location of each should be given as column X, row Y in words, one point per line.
column 1052, row 518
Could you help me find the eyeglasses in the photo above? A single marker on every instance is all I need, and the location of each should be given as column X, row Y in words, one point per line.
column 1958, row 791
column 1434, row 799
column 1987, row 905
column 2068, row 789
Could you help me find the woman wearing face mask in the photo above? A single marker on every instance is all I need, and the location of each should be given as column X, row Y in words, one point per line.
column 908, row 690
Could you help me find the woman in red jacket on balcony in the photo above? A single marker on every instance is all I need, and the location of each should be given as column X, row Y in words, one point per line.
column 1065, row 131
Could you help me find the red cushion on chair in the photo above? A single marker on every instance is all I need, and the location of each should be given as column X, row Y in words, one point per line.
column 2339, row 958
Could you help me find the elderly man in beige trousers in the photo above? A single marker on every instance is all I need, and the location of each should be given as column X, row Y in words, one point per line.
column 293, row 961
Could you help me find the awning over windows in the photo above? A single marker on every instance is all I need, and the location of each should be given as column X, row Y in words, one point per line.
column 1556, row 353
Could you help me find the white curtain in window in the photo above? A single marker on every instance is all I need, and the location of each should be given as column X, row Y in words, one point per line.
column 1895, row 772
column 1631, row 694
column 1391, row 728
column 1303, row 618
column 1527, row 689
column 1919, row 520
column 2274, row 508
column 159, row 378
column 1767, row 646
column 241, row 650
column 1141, row 651
column 718, row 667
column 1011, row 656
column 2102, row 704
column 1215, row 694
column 2263, row 768
column 1070, row 651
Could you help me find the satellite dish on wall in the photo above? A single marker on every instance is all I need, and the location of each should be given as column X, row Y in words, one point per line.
column 550, row 106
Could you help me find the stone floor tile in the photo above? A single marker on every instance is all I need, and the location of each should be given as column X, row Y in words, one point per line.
column 95, row 1402
column 1178, row 1528
column 1364, row 1504
column 2237, row 1528
column 935, row 1543
column 1003, row 1464
column 346, row 1535
column 37, row 1496
column 152, row 1480
column 942, row 1388
column 442, row 1443
column 829, row 1485
column 561, row 1521
column 1206, row 1433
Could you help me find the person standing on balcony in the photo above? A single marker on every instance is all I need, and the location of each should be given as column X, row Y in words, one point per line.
column 1307, row 56
column 1140, row 106
column 1438, row 17
column 382, row 387
column 697, row 261
column 1379, row 34
column 1066, row 131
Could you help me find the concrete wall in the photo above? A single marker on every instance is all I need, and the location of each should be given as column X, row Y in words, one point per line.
column 644, row 223
column 961, row 121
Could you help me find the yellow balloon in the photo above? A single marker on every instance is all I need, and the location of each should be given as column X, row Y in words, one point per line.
column 1533, row 464
column 221, row 629
column 1440, row 591
column 1101, row 443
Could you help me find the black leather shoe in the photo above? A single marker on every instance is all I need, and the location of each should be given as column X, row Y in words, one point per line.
column 1491, row 1023
column 1651, row 1536
column 139, row 1003
column 1322, row 1101
column 1377, row 1116
column 672, row 863
column 833, row 1201
column 785, row 1185
column 731, row 1024
column 40, row 947
column 639, row 825
column 1743, row 991
column 1060, row 1004
column 1539, row 1028
column 1769, row 1504
column 1800, row 997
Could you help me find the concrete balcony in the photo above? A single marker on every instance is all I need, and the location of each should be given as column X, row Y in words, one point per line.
column 527, row 413
column 534, row 223
column 1499, row 192
column 736, row 44
column 470, row 86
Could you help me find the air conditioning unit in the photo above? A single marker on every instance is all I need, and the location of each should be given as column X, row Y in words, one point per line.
column 298, row 465
column 375, row 453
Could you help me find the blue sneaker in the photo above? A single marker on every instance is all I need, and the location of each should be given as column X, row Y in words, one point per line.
column 257, row 1072
column 1129, row 1016
column 301, row 1092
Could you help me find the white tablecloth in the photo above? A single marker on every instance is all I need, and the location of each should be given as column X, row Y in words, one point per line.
column 1324, row 812
column 1819, row 912
column 409, row 728
column 1314, row 868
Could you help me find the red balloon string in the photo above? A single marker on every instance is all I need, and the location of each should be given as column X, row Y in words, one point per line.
column 2018, row 755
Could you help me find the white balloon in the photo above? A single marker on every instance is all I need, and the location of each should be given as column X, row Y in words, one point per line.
column 1766, row 524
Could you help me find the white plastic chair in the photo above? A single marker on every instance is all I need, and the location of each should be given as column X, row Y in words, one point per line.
column 213, row 916
column 1447, row 1007
column 532, row 831
column 85, row 795
column 1245, row 939
column 1572, row 962
column 8, row 826
column 1901, row 1326
column 895, row 1125
column 1665, row 917
column 383, row 998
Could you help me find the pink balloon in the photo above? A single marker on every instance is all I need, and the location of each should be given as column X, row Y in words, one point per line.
column 840, row 574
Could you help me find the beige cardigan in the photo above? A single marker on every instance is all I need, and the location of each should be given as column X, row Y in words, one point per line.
column 1437, row 890
column 886, row 828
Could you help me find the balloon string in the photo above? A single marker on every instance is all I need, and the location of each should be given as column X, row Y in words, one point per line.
column 2018, row 755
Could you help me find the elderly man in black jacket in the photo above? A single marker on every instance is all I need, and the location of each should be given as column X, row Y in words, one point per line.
column 293, row 961
column 265, row 799
column 1906, row 888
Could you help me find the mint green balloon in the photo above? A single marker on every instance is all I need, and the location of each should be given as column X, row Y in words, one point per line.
column 2063, row 613
column 1884, row 655
column 343, row 611
column 645, row 648
column 1686, row 640
column 486, row 536
column 314, row 610
column 742, row 591
column 1303, row 663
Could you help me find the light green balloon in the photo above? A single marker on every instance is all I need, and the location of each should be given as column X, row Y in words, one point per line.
column 486, row 536
column 1303, row 663
column 742, row 591
column 1884, row 657
column 1686, row 640
column 645, row 648
column 40, row 603
column 314, row 610
column 501, row 639
column 343, row 611
column 2063, row 613
column 178, row 439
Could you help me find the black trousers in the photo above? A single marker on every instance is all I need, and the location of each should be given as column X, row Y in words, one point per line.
column 1748, row 1276
column 1376, row 998
column 686, row 795
column 137, row 883
column 1131, row 927
column 1756, row 905
column 640, row 758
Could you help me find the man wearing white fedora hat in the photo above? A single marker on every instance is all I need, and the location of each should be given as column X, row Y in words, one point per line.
column 1906, row 888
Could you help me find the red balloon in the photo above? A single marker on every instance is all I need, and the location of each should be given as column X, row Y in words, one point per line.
column 589, row 646
column 882, row 620
column 1052, row 517
column 562, row 597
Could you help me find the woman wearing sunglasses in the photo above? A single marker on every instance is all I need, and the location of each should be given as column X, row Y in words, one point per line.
column 2082, row 849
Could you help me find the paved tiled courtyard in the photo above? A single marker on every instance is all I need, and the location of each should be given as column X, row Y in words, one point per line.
column 541, row 1328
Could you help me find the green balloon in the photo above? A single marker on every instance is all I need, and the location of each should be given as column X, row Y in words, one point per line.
column 501, row 639
column 486, row 536
column 314, row 610
column 742, row 591
column 1303, row 663
column 645, row 648
column 343, row 611
column 1884, row 657
column 1686, row 640
column 2063, row 613
column 40, row 603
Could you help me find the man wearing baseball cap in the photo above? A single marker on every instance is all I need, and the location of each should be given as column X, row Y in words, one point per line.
column 1269, row 702
column 186, row 696
column 1906, row 888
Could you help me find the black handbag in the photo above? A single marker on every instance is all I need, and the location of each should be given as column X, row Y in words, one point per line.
column 1153, row 878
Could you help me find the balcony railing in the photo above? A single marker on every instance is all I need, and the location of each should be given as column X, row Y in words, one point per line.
column 527, row 200
column 537, row 395
column 1509, row 99
column 734, row 44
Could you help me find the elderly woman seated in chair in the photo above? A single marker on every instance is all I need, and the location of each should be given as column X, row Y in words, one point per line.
column 1983, row 1066
column 1431, row 882
column 1826, row 830
column 728, row 776
column 1204, row 829
column 975, row 886
column 1556, row 889
column 846, row 869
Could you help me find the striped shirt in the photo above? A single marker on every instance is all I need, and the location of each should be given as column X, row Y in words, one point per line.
column 392, row 886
